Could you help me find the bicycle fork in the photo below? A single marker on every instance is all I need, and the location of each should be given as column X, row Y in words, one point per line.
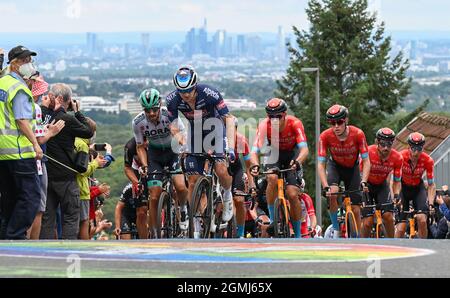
column 281, row 197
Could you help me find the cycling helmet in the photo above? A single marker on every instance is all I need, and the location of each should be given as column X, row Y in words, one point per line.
column 386, row 134
column 275, row 106
column 416, row 139
column 150, row 98
column 185, row 79
column 337, row 112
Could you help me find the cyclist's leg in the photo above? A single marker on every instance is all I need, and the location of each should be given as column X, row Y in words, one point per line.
column 159, row 159
column 179, row 182
column 368, row 214
column 272, row 182
column 333, row 179
column 420, row 203
column 126, row 223
column 384, row 197
column 293, row 182
column 238, row 184
column 352, row 181
column 400, row 229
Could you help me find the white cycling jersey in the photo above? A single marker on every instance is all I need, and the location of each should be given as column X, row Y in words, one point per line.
column 158, row 135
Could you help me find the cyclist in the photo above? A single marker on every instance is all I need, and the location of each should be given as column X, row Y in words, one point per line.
column 256, row 218
column 153, row 125
column 283, row 133
column 383, row 161
column 415, row 163
column 345, row 143
column 203, row 107
column 125, row 214
column 139, row 193
column 239, row 179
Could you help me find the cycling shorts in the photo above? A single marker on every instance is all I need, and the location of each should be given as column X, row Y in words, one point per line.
column 379, row 194
column 350, row 176
column 284, row 159
column 416, row 194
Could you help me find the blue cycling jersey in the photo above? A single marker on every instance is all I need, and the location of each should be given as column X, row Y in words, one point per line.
column 209, row 104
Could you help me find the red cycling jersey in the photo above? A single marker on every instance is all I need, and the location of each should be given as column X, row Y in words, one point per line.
column 344, row 153
column 413, row 177
column 292, row 135
column 241, row 146
column 380, row 169
column 307, row 211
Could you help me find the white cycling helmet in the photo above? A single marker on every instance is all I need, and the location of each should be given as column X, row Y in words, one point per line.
column 328, row 231
column 185, row 79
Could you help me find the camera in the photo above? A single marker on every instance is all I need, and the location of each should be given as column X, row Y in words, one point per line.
column 70, row 108
column 440, row 192
column 100, row 147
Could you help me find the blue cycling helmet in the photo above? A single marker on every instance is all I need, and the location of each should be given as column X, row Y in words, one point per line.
column 185, row 79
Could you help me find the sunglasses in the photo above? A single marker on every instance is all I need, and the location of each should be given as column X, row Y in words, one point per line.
column 186, row 91
column 154, row 110
column 385, row 144
column 338, row 122
column 279, row 116
column 417, row 148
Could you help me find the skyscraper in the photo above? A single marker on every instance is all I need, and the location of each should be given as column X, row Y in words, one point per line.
column 241, row 45
column 91, row 43
column 281, row 48
column 145, row 39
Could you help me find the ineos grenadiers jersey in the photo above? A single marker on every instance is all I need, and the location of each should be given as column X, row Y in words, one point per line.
column 380, row 169
column 158, row 136
column 209, row 104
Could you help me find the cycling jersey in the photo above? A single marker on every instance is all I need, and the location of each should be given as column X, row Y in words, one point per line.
column 158, row 135
column 130, row 157
column 307, row 211
column 413, row 177
column 209, row 104
column 344, row 153
column 293, row 135
column 380, row 169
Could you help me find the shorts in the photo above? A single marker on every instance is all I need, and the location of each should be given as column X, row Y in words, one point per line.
column 416, row 194
column 132, row 203
column 157, row 161
column 128, row 221
column 284, row 160
column 350, row 176
column 84, row 209
column 237, row 172
column 379, row 194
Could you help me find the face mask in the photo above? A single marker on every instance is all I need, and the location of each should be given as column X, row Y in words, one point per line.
column 28, row 70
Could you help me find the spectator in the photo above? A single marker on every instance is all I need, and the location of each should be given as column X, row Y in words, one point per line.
column 62, row 186
column 43, row 133
column 97, row 192
column 440, row 230
column 19, row 182
column 83, row 181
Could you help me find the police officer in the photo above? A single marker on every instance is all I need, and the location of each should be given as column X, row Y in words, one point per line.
column 19, row 182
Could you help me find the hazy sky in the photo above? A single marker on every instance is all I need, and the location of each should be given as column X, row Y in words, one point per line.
column 180, row 15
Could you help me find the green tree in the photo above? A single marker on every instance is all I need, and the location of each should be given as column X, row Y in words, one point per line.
column 356, row 70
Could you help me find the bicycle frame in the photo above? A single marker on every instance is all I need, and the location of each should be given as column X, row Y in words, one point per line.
column 347, row 206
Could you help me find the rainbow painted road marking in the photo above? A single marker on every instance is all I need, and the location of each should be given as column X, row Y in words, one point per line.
column 208, row 251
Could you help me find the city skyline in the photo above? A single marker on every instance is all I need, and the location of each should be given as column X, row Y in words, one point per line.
column 76, row 16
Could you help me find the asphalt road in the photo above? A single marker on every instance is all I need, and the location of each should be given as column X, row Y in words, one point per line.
column 226, row 258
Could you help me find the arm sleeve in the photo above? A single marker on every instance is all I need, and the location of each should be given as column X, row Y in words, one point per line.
column 94, row 192
column 322, row 154
column 398, row 169
column 444, row 210
column 430, row 170
column 138, row 136
column 128, row 156
column 78, row 126
column 259, row 139
column 220, row 105
column 172, row 108
column 363, row 149
column 300, row 135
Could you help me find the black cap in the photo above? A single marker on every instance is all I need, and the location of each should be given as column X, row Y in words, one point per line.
column 19, row 52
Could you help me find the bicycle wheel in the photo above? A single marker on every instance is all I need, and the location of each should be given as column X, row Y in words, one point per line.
column 280, row 225
column 201, row 212
column 164, row 228
column 229, row 232
column 351, row 228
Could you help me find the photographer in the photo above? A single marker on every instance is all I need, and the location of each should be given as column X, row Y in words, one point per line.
column 440, row 230
column 62, row 186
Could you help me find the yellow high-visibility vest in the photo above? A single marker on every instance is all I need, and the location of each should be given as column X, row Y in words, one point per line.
column 13, row 143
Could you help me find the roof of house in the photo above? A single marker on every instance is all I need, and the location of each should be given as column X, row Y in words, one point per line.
column 435, row 129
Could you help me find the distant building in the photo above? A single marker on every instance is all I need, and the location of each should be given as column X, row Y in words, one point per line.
column 91, row 103
column 132, row 106
column 281, row 47
column 145, row 38
column 240, row 104
column 436, row 130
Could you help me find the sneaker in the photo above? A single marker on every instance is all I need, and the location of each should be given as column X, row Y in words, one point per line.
column 198, row 228
column 184, row 218
column 227, row 212
column 334, row 234
column 271, row 230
